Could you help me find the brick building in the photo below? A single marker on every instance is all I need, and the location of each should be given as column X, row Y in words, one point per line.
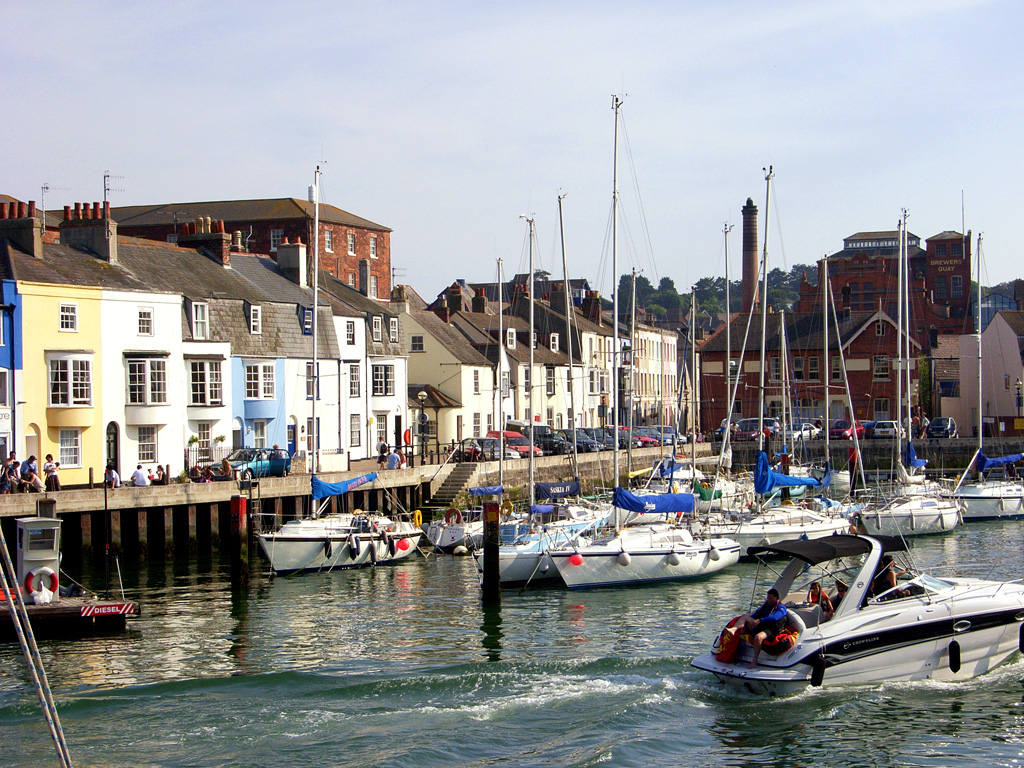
column 353, row 249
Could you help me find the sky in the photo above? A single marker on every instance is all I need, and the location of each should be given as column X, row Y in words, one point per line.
column 449, row 121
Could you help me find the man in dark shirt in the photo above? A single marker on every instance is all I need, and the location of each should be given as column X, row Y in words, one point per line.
column 763, row 624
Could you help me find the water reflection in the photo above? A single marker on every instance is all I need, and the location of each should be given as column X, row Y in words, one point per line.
column 491, row 627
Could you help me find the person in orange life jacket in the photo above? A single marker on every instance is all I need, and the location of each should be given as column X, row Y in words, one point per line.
column 764, row 623
column 816, row 597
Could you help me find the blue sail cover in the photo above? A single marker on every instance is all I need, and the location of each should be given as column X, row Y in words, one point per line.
column 553, row 491
column 984, row 464
column 487, row 490
column 322, row 490
column 910, row 459
column 665, row 503
column 766, row 480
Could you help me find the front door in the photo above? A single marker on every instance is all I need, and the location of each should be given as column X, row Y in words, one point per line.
column 113, row 447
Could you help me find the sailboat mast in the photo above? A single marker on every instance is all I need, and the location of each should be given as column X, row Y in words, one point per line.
column 726, row 229
column 314, row 432
column 501, row 382
column 632, row 375
column 977, row 270
column 693, row 381
column 906, row 314
column 899, row 339
column 824, row 344
column 769, row 174
column 568, row 336
column 616, row 348
column 529, row 396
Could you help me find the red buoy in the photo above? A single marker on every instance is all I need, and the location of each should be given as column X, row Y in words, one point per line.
column 576, row 559
column 403, row 544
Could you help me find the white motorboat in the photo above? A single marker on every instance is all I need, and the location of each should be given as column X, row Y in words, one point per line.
column 643, row 554
column 523, row 551
column 457, row 528
column 924, row 628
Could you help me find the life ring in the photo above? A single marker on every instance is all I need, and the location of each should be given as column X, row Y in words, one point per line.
column 417, row 518
column 705, row 485
column 407, row 437
column 39, row 573
column 453, row 514
column 506, row 507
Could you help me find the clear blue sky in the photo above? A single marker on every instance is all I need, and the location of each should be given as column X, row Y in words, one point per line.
column 447, row 120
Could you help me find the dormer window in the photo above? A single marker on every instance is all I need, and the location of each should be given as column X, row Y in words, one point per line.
column 200, row 321
column 255, row 320
column 378, row 329
column 510, row 338
column 554, row 342
column 534, row 340
column 307, row 321
column 393, row 330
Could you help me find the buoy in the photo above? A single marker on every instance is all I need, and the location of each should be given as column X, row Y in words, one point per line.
column 353, row 546
column 459, row 550
column 673, row 559
column 576, row 558
column 714, row 554
column 403, row 544
column 328, row 548
column 624, row 558
column 766, row 542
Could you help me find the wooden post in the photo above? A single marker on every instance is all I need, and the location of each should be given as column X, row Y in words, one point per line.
column 239, row 542
column 491, row 591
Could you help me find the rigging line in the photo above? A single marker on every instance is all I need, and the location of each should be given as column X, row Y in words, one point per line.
column 778, row 228
column 603, row 263
column 640, row 203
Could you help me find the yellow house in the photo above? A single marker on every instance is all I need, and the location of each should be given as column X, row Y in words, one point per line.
column 61, row 388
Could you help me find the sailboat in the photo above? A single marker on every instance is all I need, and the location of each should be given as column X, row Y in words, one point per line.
column 918, row 509
column 335, row 541
column 984, row 499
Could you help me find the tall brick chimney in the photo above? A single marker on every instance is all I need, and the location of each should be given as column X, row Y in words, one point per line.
column 210, row 239
column 20, row 225
column 443, row 311
column 90, row 229
column 292, row 261
column 749, row 287
column 479, row 303
column 592, row 307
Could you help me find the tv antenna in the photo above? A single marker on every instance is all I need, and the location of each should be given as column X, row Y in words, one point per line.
column 42, row 199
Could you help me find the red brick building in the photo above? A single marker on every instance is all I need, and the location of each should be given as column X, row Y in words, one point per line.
column 864, row 279
column 865, row 347
column 355, row 250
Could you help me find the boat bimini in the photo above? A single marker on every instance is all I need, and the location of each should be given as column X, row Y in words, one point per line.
column 922, row 628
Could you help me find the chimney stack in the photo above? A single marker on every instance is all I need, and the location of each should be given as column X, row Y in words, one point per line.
column 91, row 229
column 25, row 231
column 443, row 311
column 749, row 286
column 480, row 303
column 592, row 307
column 291, row 260
column 558, row 298
column 209, row 240
column 364, row 277
column 455, row 298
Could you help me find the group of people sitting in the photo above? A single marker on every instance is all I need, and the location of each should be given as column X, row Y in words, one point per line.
column 23, row 477
column 394, row 459
column 140, row 477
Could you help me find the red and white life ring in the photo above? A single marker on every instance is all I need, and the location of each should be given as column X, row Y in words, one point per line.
column 451, row 515
column 38, row 574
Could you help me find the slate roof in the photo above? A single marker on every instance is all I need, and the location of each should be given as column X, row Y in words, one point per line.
column 435, row 398
column 347, row 299
column 154, row 267
column 270, row 209
column 450, row 337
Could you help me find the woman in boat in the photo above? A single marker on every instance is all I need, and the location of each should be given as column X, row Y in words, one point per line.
column 885, row 579
column 816, row 597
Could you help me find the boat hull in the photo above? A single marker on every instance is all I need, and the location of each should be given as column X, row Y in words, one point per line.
column 446, row 537
column 988, row 502
column 289, row 553
column 911, row 521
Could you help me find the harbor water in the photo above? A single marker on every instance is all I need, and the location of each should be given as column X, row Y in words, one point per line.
column 401, row 666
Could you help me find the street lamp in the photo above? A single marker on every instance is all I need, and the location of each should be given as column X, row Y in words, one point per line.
column 1020, row 398
column 422, row 397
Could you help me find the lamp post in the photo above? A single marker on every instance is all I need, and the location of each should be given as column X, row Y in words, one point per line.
column 1020, row 398
column 422, row 397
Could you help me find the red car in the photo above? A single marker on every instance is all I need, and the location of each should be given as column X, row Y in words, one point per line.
column 843, row 429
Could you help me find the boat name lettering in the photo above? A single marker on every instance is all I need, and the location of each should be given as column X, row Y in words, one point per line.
column 648, row 506
column 862, row 641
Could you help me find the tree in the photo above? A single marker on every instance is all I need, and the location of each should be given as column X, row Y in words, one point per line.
column 665, row 285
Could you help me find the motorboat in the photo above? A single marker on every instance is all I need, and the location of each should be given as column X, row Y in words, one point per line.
column 346, row 540
column 923, row 628
column 457, row 528
column 524, row 544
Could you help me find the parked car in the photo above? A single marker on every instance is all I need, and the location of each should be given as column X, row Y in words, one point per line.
column 645, row 439
column 942, row 426
column 259, row 462
column 805, row 431
column 869, row 429
column 584, row 442
column 552, row 444
column 517, row 442
column 889, row 430
column 598, row 436
column 843, row 429
column 746, row 429
column 666, row 433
